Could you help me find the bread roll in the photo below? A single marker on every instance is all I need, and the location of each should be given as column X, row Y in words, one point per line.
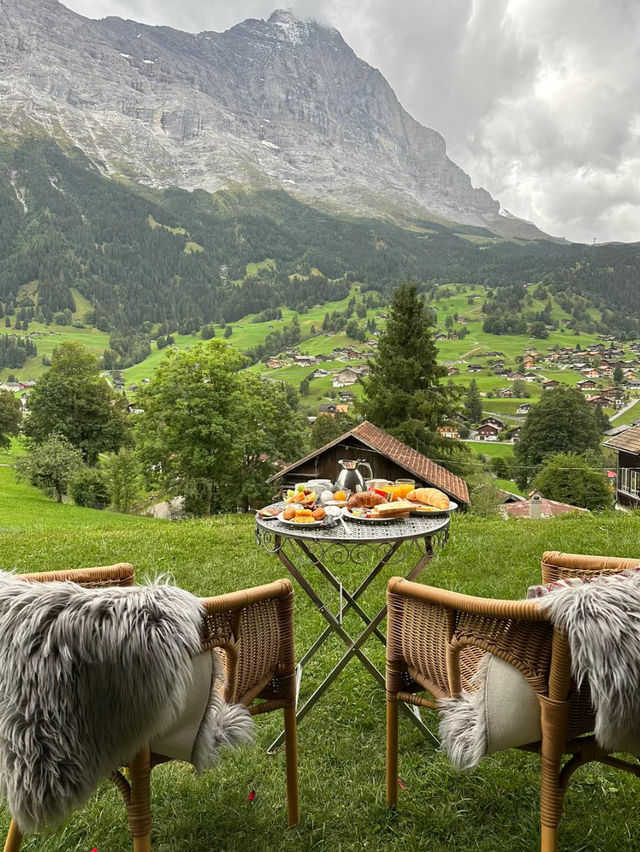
column 319, row 514
column 289, row 513
column 429, row 497
column 365, row 500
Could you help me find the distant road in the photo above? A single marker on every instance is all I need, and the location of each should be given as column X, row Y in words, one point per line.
column 622, row 410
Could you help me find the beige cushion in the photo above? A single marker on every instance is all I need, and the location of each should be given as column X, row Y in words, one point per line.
column 179, row 740
column 511, row 707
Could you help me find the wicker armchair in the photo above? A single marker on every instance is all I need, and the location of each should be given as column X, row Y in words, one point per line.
column 253, row 629
column 436, row 639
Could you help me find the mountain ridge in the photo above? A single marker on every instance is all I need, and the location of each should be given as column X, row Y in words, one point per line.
column 277, row 103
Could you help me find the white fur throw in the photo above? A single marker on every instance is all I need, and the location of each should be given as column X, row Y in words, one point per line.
column 602, row 621
column 87, row 678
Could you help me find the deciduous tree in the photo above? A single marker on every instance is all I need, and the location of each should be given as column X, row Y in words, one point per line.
column 575, row 478
column 10, row 417
column 50, row 464
column 214, row 433
column 561, row 422
column 74, row 400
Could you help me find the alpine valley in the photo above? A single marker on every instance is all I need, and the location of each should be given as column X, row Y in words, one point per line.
column 154, row 181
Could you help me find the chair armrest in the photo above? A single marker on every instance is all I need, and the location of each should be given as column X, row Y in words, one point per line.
column 121, row 574
column 254, row 627
column 440, row 637
column 560, row 566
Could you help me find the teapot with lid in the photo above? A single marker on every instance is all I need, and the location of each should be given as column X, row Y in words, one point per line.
column 350, row 477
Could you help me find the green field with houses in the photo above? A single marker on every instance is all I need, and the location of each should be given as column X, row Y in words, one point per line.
column 451, row 300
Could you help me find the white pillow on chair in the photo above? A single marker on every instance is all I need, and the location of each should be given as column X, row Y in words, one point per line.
column 504, row 712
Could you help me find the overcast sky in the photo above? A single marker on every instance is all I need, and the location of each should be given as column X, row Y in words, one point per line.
column 538, row 100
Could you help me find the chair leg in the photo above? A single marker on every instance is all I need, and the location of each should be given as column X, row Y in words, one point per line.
column 291, row 756
column 392, row 752
column 551, row 788
column 548, row 838
column 139, row 806
column 14, row 838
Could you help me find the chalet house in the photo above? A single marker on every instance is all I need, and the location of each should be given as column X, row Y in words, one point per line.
column 591, row 373
column 273, row 363
column 513, row 435
column 327, row 408
column 342, row 408
column 530, row 377
column 353, row 355
column 475, row 368
column 320, row 373
column 495, row 421
column 453, row 371
column 598, row 400
column 12, row 387
column 388, row 457
column 514, row 377
column 506, row 393
column 488, row 432
column 525, row 408
column 450, row 431
column 305, row 360
column 627, row 446
column 500, row 371
column 346, row 396
column 344, row 378
column 587, row 384
column 548, row 384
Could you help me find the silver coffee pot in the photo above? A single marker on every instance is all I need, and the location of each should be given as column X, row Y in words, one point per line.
column 350, row 477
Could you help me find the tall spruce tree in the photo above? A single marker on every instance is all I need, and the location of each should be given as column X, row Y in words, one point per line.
column 403, row 393
column 473, row 403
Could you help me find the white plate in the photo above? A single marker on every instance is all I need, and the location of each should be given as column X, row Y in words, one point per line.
column 433, row 511
column 307, row 526
column 362, row 519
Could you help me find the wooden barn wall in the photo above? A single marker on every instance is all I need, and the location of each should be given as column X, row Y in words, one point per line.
column 325, row 465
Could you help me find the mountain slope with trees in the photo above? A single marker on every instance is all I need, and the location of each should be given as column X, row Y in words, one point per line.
column 144, row 257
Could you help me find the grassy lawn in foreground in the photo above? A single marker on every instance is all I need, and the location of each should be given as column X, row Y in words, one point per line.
column 342, row 741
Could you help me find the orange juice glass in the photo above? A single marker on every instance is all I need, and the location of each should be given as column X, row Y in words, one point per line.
column 402, row 487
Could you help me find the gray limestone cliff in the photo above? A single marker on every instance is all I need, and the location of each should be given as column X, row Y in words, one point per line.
column 278, row 103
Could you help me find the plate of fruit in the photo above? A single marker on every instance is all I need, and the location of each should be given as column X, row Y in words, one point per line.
column 297, row 515
column 301, row 496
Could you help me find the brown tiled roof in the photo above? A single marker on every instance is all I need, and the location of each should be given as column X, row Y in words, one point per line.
column 628, row 441
column 408, row 458
column 550, row 508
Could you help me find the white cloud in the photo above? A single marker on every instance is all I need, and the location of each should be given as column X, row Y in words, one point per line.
column 537, row 99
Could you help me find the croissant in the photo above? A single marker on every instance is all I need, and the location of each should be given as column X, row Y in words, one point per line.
column 429, row 497
column 365, row 500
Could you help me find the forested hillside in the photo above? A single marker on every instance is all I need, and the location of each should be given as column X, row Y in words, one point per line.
column 142, row 257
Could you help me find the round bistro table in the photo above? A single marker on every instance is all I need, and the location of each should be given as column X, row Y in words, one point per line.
column 407, row 542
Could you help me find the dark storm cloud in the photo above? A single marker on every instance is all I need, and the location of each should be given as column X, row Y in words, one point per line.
column 537, row 99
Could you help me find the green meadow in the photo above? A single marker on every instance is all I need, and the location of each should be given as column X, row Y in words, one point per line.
column 342, row 741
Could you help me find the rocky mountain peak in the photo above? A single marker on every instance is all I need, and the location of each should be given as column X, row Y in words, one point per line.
column 281, row 103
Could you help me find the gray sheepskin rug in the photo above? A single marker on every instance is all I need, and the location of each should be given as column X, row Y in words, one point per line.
column 602, row 622
column 87, row 678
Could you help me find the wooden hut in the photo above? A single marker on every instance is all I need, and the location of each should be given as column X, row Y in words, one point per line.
column 388, row 457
